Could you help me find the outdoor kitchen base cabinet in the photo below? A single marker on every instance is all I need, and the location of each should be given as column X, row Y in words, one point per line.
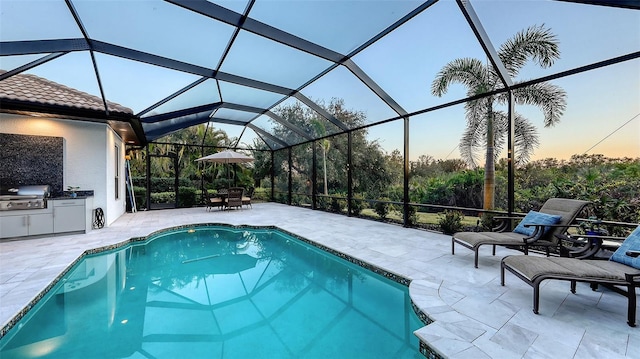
column 62, row 215
column 69, row 215
column 26, row 224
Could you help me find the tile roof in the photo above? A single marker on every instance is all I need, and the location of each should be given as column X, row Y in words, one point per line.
column 37, row 90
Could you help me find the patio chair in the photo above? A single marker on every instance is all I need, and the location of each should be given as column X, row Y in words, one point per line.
column 246, row 198
column 621, row 271
column 536, row 229
column 214, row 200
column 234, row 197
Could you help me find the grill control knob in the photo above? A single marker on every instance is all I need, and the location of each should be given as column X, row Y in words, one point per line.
column 9, row 205
column 29, row 204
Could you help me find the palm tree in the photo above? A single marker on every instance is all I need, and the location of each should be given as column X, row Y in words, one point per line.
column 487, row 127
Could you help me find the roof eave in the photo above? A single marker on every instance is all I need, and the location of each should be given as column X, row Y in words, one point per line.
column 126, row 125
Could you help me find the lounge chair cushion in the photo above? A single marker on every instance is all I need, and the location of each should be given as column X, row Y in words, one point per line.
column 500, row 238
column 532, row 267
column 534, row 217
column 632, row 243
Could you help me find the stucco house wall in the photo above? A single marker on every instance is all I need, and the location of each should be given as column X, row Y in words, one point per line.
column 92, row 153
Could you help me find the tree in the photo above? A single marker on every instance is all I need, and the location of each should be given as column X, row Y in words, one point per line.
column 487, row 127
column 325, row 144
column 369, row 170
column 180, row 143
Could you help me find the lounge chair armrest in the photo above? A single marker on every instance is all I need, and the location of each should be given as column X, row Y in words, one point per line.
column 537, row 232
column 546, row 225
column 501, row 223
column 604, row 238
column 590, row 244
column 633, row 278
column 501, row 218
column 579, row 247
column 609, row 242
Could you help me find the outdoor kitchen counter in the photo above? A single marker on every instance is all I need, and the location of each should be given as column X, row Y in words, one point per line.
column 57, row 198
column 62, row 215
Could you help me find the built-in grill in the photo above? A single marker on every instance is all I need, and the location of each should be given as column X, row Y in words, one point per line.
column 24, row 197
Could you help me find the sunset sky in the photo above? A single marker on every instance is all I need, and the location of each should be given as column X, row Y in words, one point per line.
column 603, row 104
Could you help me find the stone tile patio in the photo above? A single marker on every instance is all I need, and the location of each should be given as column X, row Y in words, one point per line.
column 474, row 316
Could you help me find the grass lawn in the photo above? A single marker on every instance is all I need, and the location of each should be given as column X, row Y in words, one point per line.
column 426, row 218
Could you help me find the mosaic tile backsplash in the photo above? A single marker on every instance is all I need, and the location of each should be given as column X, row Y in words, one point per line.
column 31, row 160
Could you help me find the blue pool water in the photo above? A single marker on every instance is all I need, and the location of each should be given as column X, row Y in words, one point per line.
column 217, row 292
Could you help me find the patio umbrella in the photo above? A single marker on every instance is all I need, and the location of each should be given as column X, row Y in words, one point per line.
column 226, row 157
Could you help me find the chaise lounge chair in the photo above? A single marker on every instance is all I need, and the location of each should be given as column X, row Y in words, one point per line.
column 622, row 270
column 535, row 229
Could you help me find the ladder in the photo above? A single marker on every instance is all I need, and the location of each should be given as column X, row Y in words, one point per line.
column 129, row 180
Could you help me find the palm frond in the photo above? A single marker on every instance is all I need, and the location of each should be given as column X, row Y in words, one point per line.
column 468, row 152
column 467, row 71
column 500, row 129
column 551, row 99
column 526, row 139
column 536, row 43
column 475, row 111
column 473, row 142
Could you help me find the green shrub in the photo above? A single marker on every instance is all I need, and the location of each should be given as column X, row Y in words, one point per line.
column 139, row 181
column 381, row 208
column 187, row 197
column 357, row 204
column 296, row 199
column 336, row 205
column 163, row 197
column 281, row 197
column 261, row 194
column 412, row 218
column 322, row 202
column 486, row 221
column 140, row 194
column 450, row 221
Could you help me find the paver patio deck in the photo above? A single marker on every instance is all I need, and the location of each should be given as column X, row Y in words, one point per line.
column 474, row 316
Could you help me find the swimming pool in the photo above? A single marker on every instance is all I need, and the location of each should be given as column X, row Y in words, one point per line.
column 218, row 292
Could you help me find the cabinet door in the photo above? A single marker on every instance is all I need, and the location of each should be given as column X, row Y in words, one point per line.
column 68, row 219
column 14, row 226
column 40, row 224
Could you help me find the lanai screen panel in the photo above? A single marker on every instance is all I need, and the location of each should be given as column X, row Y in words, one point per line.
column 184, row 59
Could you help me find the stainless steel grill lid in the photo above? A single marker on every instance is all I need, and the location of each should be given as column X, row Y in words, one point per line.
column 37, row 190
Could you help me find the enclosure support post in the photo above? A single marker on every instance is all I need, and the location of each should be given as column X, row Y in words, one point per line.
column 290, row 191
column 272, row 175
column 204, row 197
column 176, row 171
column 314, row 180
column 349, row 175
column 148, row 195
column 405, row 185
column 510, row 156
